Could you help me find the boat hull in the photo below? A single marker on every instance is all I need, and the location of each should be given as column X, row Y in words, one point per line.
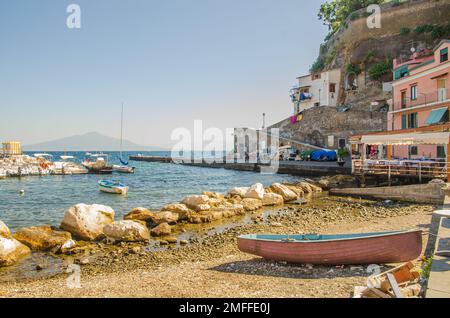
column 390, row 248
column 122, row 169
column 114, row 190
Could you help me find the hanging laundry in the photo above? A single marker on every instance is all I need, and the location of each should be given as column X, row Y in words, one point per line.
column 299, row 117
column 293, row 119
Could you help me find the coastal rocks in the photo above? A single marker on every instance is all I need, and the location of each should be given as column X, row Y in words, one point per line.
column 161, row 230
column 11, row 251
column 240, row 191
column 297, row 190
column 139, row 214
column 42, row 238
column 226, row 210
column 214, row 195
column 4, row 230
column 181, row 209
column 252, row 204
column 87, row 221
column 272, row 199
column 197, row 202
column 234, row 199
column 256, row 191
column 165, row 217
column 306, row 187
column 127, row 231
column 285, row 192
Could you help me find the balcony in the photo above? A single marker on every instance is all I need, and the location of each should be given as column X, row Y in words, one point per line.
column 423, row 99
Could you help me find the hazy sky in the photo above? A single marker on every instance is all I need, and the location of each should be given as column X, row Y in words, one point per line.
column 171, row 61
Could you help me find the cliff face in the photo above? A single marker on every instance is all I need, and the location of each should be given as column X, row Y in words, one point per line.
column 356, row 49
column 363, row 48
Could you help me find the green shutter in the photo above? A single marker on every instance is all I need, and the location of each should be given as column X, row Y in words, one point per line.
column 403, row 121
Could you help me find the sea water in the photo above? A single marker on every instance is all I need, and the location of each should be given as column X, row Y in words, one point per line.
column 152, row 186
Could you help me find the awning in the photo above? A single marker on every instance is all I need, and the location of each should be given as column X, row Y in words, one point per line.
column 440, row 138
column 436, row 116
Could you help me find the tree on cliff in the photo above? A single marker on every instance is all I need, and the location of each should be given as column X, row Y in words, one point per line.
column 335, row 12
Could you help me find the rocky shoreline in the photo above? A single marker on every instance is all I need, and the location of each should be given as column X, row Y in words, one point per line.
column 198, row 235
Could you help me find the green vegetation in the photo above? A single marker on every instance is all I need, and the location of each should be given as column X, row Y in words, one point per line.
column 342, row 153
column 352, row 68
column 377, row 71
column 354, row 16
column 427, row 268
column 436, row 31
column 334, row 13
column 370, row 55
column 318, row 65
column 405, row 31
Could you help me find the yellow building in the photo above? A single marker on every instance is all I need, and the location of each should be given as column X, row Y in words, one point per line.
column 11, row 148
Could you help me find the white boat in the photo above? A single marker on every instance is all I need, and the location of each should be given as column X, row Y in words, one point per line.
column 67, row 157
column 113, row 187
column 123, row 169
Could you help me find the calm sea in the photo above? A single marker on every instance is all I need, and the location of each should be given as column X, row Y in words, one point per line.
column 152, row 186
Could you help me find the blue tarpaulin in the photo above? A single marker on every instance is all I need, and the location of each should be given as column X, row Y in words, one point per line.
column 324, row 155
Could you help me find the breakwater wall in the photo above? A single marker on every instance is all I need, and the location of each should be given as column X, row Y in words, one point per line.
column 303, row 168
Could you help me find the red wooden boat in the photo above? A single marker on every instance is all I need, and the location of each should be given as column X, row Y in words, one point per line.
column 363, row 248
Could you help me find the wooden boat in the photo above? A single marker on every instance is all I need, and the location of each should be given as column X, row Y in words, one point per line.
column 99, row 166
column 368, row 248
column 113, row 187
column 123, row 169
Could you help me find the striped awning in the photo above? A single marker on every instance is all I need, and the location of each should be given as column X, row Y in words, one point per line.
column 435, row 138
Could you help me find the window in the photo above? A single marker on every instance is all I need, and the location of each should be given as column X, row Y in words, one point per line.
column 332, row 88
column 404, row 99
column 412, row 120
column 342, row 143
column 316, row 104
column 414, row 92
column 444, row 55
column 404, row 123
column 413, row 151
column 316, row 76
column 441, row 152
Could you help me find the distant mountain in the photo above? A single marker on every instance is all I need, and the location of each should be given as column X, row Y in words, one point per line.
column 92, row 141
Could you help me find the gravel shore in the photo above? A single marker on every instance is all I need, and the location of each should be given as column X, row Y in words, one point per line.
column 212, row 266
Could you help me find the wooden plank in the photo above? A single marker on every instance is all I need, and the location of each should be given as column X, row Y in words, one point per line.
column 394, row 286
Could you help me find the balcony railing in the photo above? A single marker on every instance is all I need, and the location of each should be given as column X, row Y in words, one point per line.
column 403, row 168
column 423, row 99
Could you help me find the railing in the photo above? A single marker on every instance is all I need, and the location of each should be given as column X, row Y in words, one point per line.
column 423, row 99
column 404, row 168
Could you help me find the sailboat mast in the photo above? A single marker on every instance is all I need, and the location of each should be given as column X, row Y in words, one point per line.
column 121, row 132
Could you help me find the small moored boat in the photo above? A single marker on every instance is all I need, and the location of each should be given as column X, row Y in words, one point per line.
column 123, row 169
column 340, row 249
column 113, row 187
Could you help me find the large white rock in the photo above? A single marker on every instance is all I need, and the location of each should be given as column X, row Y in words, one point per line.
column 285, row 192
column 127, row 230
column 11, row 251
column 4, row 230
column 240, row 191
column 271, row 199
column 87, row 221
column 256, row 191
column 181, row 209
column 197, row 202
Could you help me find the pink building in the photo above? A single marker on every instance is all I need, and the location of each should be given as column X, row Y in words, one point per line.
column 421, row 98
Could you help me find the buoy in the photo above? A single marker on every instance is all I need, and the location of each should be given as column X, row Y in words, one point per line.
column 22, row 192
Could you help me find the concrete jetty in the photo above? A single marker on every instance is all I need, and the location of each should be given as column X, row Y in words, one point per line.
column 298, row 168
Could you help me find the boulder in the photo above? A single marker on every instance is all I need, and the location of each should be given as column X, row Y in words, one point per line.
column 240, row 191
column 11, row 251
column 234, row 199
column 165, row 217
column 226, row 210
column 214, row 195
column 256, row 191
column 229, row 210
column 272, row 199
column 127, row 231
column 285, row 192
column 42, row 238
column 215, row 202
column 197, row 202
column 4, row 230
column 161, row 230
column 140, row 214
column 87, row 221
column 181, row 209
column 297, row 190
column 252, row 204
column 306, row 187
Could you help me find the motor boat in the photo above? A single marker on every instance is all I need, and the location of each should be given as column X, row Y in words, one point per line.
column 114, row 187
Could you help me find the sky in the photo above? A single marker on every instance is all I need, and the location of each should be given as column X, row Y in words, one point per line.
column 171, row 62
